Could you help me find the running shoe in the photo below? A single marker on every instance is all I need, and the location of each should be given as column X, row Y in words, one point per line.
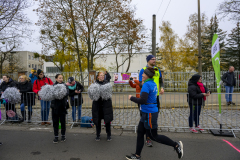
column 232, row 103
column 133, row 156
column 179, row 149
column 55, row 140
column 149, row 143
column 109, row 138
column 199, row 128
column 63, row 139
column 193, row 130
column 97, row 138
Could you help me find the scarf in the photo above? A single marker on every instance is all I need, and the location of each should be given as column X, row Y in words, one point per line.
column 72, row 87
column 69, row 84
column 200, row 85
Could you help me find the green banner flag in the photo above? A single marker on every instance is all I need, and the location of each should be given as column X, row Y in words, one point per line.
column 216, row 65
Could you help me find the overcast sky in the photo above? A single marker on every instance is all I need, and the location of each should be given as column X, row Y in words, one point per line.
column 177, row 13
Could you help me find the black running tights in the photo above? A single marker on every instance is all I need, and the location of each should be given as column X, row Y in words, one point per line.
column 153, row 136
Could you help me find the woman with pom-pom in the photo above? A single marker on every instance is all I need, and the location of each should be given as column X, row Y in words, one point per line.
column 27, row 99
column 102, row 108
column 45, row 105
column 59, row 108
column 7, row 82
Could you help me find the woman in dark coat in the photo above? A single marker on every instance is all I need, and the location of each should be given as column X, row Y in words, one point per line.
column 27, row 99
column 197, row 94
column 76, row 100
column 59, row 111
column 107, row 76
column 102, row 109
column 7, row 82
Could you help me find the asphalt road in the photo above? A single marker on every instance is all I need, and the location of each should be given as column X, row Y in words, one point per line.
column 37, row 145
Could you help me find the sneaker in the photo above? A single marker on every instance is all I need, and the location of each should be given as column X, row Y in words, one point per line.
column 63, row 139
column 133, row 156
column 43, row 123
column 109, row 138
column 228, row 103
column 199, row 128
column 193, row 130
column 55, row 140
column 97, row 138
column 149, row 143
column 48, row 123
column 75, row 125
column 232, row 103
column 179, row 149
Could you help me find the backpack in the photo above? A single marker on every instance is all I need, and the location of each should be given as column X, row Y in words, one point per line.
column 88, row 120
column 13, row 117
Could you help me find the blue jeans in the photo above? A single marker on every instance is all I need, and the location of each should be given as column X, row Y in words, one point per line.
column 74, row 112
column 229, row 89
column 22, row 107
column 194, row 115
column 45, row 108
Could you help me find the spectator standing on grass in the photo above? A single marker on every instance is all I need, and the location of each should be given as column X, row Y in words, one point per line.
column 196, row 98
column 151, row 62
column 45, row 105
column 27, row 99
column 76, row 99
column 229, row 81
column 33, row 76
column 148, row 122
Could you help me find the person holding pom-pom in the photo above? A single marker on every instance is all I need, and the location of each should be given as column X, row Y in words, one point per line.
column 45, row 105
column 100, row 92
column 7, row 82
column 59, row 107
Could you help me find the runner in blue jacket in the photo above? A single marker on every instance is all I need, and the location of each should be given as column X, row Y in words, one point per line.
column 148, row 122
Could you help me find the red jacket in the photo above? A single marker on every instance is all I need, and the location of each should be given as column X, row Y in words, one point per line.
column 137, row 86
column 38, row 83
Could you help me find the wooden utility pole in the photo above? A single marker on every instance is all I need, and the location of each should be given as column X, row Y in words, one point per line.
column 199, row 41
column 154, row 36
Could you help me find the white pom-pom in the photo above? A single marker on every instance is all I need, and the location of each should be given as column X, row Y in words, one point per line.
column 60, row 91
column 106, row 91
column 46, row 93
column 12, row 95
column 94, row 91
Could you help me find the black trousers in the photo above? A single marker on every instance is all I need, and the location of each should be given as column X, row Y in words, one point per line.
column 55, row 119
column 107, row 125
column 158, row 104
column 153, row 136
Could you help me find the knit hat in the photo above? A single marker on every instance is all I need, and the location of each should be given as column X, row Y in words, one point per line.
column 39, row 71
column 70, row 79
column 149, row 57
column 195, row 78
column 33, row 70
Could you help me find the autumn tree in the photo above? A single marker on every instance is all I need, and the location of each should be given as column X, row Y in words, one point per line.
column 230, row 9
column 130, row 38
column 233, row 47
column 171, row 58
column 13, row 26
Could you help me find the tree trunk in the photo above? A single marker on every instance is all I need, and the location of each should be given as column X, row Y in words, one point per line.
column 129, row 60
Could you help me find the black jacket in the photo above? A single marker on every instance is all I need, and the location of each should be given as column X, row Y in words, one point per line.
column 229, row 79
column 108, row 77
column 76, row 101
column 102, row 109
column 195, row 95
column 59, row 106
column 27, row 98
column 5, row 85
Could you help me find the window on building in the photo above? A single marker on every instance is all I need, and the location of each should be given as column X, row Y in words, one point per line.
column 35, row 66
column 29, row 65
column 32, row 58
column 32, row 65
column 38, row 58
column 52, row 69
column 29, row 57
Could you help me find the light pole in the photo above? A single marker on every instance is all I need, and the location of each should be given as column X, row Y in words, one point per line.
column 199, row 41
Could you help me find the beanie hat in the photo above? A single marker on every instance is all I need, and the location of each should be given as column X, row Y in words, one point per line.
column 149, row 57
column 195, row 78
column 70, row 79
column 39, row 71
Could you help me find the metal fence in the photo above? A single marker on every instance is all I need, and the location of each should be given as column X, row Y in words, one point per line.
column 173, row 115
